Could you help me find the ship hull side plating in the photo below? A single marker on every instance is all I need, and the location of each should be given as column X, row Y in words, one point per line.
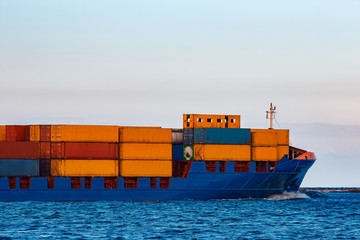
column 199, row 185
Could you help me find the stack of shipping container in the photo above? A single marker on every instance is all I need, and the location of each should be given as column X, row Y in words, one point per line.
column 145, row 152
column 78, row 151
column 177, row 144
column 41, row 134
column 214, row 138
column 268, row 147
column 18, row 156
column 81, row 150
column 85, row 150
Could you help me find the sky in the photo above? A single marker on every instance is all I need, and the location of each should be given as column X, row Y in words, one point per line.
column 145, row 63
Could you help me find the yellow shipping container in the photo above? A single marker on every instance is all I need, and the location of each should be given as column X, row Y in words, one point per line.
column 264, row 153
column 211, row 121
column 2, row 133
column 84, row 133
column 214, row 152
column 146, row 151
column 282, row 137
column 84, row 168
column 34, row 133
column 146, row 168
column 263, row 137
column 145, row 135
column 281, row 151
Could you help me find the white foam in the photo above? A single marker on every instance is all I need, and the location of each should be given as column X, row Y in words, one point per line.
column 287, row 196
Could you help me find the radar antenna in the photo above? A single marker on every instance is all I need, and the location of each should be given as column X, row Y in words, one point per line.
column 271, row 115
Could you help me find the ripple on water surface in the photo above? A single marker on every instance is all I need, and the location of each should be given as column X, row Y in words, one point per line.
column 333, row 216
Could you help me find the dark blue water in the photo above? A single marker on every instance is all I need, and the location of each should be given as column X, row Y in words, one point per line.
column 334, row 216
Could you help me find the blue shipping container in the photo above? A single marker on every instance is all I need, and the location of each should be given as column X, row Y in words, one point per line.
column 177, row 152
column 19, row 167
column 238, row 136
column 188, row 136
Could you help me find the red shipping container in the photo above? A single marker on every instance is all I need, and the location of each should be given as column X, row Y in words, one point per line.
column 15, row 133
column 19, row 150
column 70, row 150
column 45, row 152
column 45, row 133
column 57, row 150
column 27, row 133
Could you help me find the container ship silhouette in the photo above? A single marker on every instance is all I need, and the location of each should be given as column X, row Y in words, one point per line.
column 210, row 158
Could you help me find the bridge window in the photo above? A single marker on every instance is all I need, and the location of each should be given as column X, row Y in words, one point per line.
column 209, row 120
column 199, row 120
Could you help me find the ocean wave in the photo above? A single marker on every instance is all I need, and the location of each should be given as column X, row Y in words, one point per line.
column 287, row 196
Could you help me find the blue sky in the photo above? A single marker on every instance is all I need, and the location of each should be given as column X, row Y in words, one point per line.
column 148, row 62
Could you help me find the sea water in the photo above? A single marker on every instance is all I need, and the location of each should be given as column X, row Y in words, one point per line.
column 286, row 216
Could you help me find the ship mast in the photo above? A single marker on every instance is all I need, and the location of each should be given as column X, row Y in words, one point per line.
column 271, row 115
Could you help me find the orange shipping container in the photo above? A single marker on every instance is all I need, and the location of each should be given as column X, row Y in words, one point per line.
column 281, row 151
column 40, row 133
column 263, row 137
column 2, row 133
column 264, row 153
column 216, row 152
column 146, row 168
column 282, row 137
column 84, row 168
column 146, row 151
column 145, row 135
column 34, row 133
column 211, row 121
column 84, row 133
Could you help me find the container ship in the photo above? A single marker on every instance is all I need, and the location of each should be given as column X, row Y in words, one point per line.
column 211, row 157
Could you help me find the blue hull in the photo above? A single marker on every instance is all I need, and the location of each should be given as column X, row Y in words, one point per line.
column 199, row 185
